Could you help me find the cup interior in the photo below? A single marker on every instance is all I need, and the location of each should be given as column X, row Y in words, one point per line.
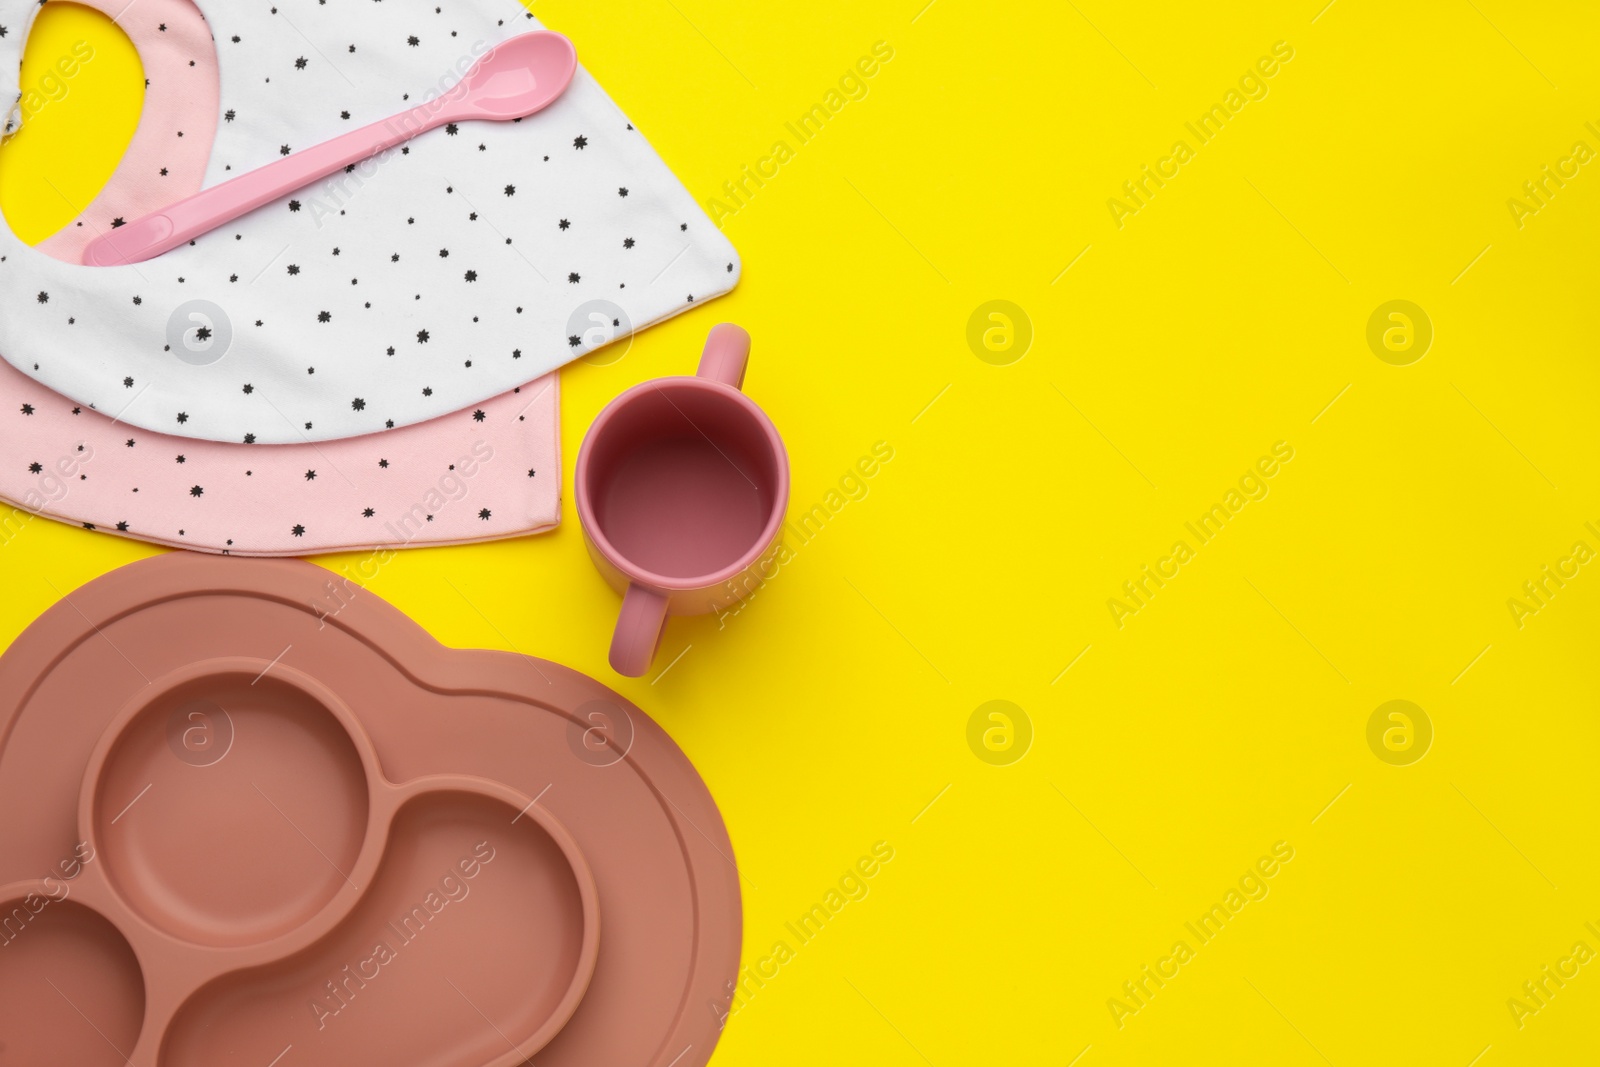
column 684, row 480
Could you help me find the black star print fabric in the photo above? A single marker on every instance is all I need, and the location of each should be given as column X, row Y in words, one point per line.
column 423, row 282
column 467, row 477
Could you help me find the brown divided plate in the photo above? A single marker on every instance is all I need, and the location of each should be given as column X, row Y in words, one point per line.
column 251, row 814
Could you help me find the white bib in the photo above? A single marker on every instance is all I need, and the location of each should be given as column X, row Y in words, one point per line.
column 474, row 259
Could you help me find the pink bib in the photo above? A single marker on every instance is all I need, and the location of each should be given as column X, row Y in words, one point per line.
column 491, row 471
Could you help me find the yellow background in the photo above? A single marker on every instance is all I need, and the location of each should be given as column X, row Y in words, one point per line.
column 1231, row 711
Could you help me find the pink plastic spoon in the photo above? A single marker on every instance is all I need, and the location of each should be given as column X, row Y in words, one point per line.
column 513, row 80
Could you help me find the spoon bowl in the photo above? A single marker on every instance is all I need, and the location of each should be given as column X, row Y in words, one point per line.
column 520, row 76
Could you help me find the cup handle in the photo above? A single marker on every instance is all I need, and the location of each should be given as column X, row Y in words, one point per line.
column 638, row 633
column 726, row 356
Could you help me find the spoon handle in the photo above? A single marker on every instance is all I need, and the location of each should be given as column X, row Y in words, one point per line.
column 178, row 223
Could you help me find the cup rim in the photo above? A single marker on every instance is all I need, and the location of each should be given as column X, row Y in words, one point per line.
column 631, row 570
